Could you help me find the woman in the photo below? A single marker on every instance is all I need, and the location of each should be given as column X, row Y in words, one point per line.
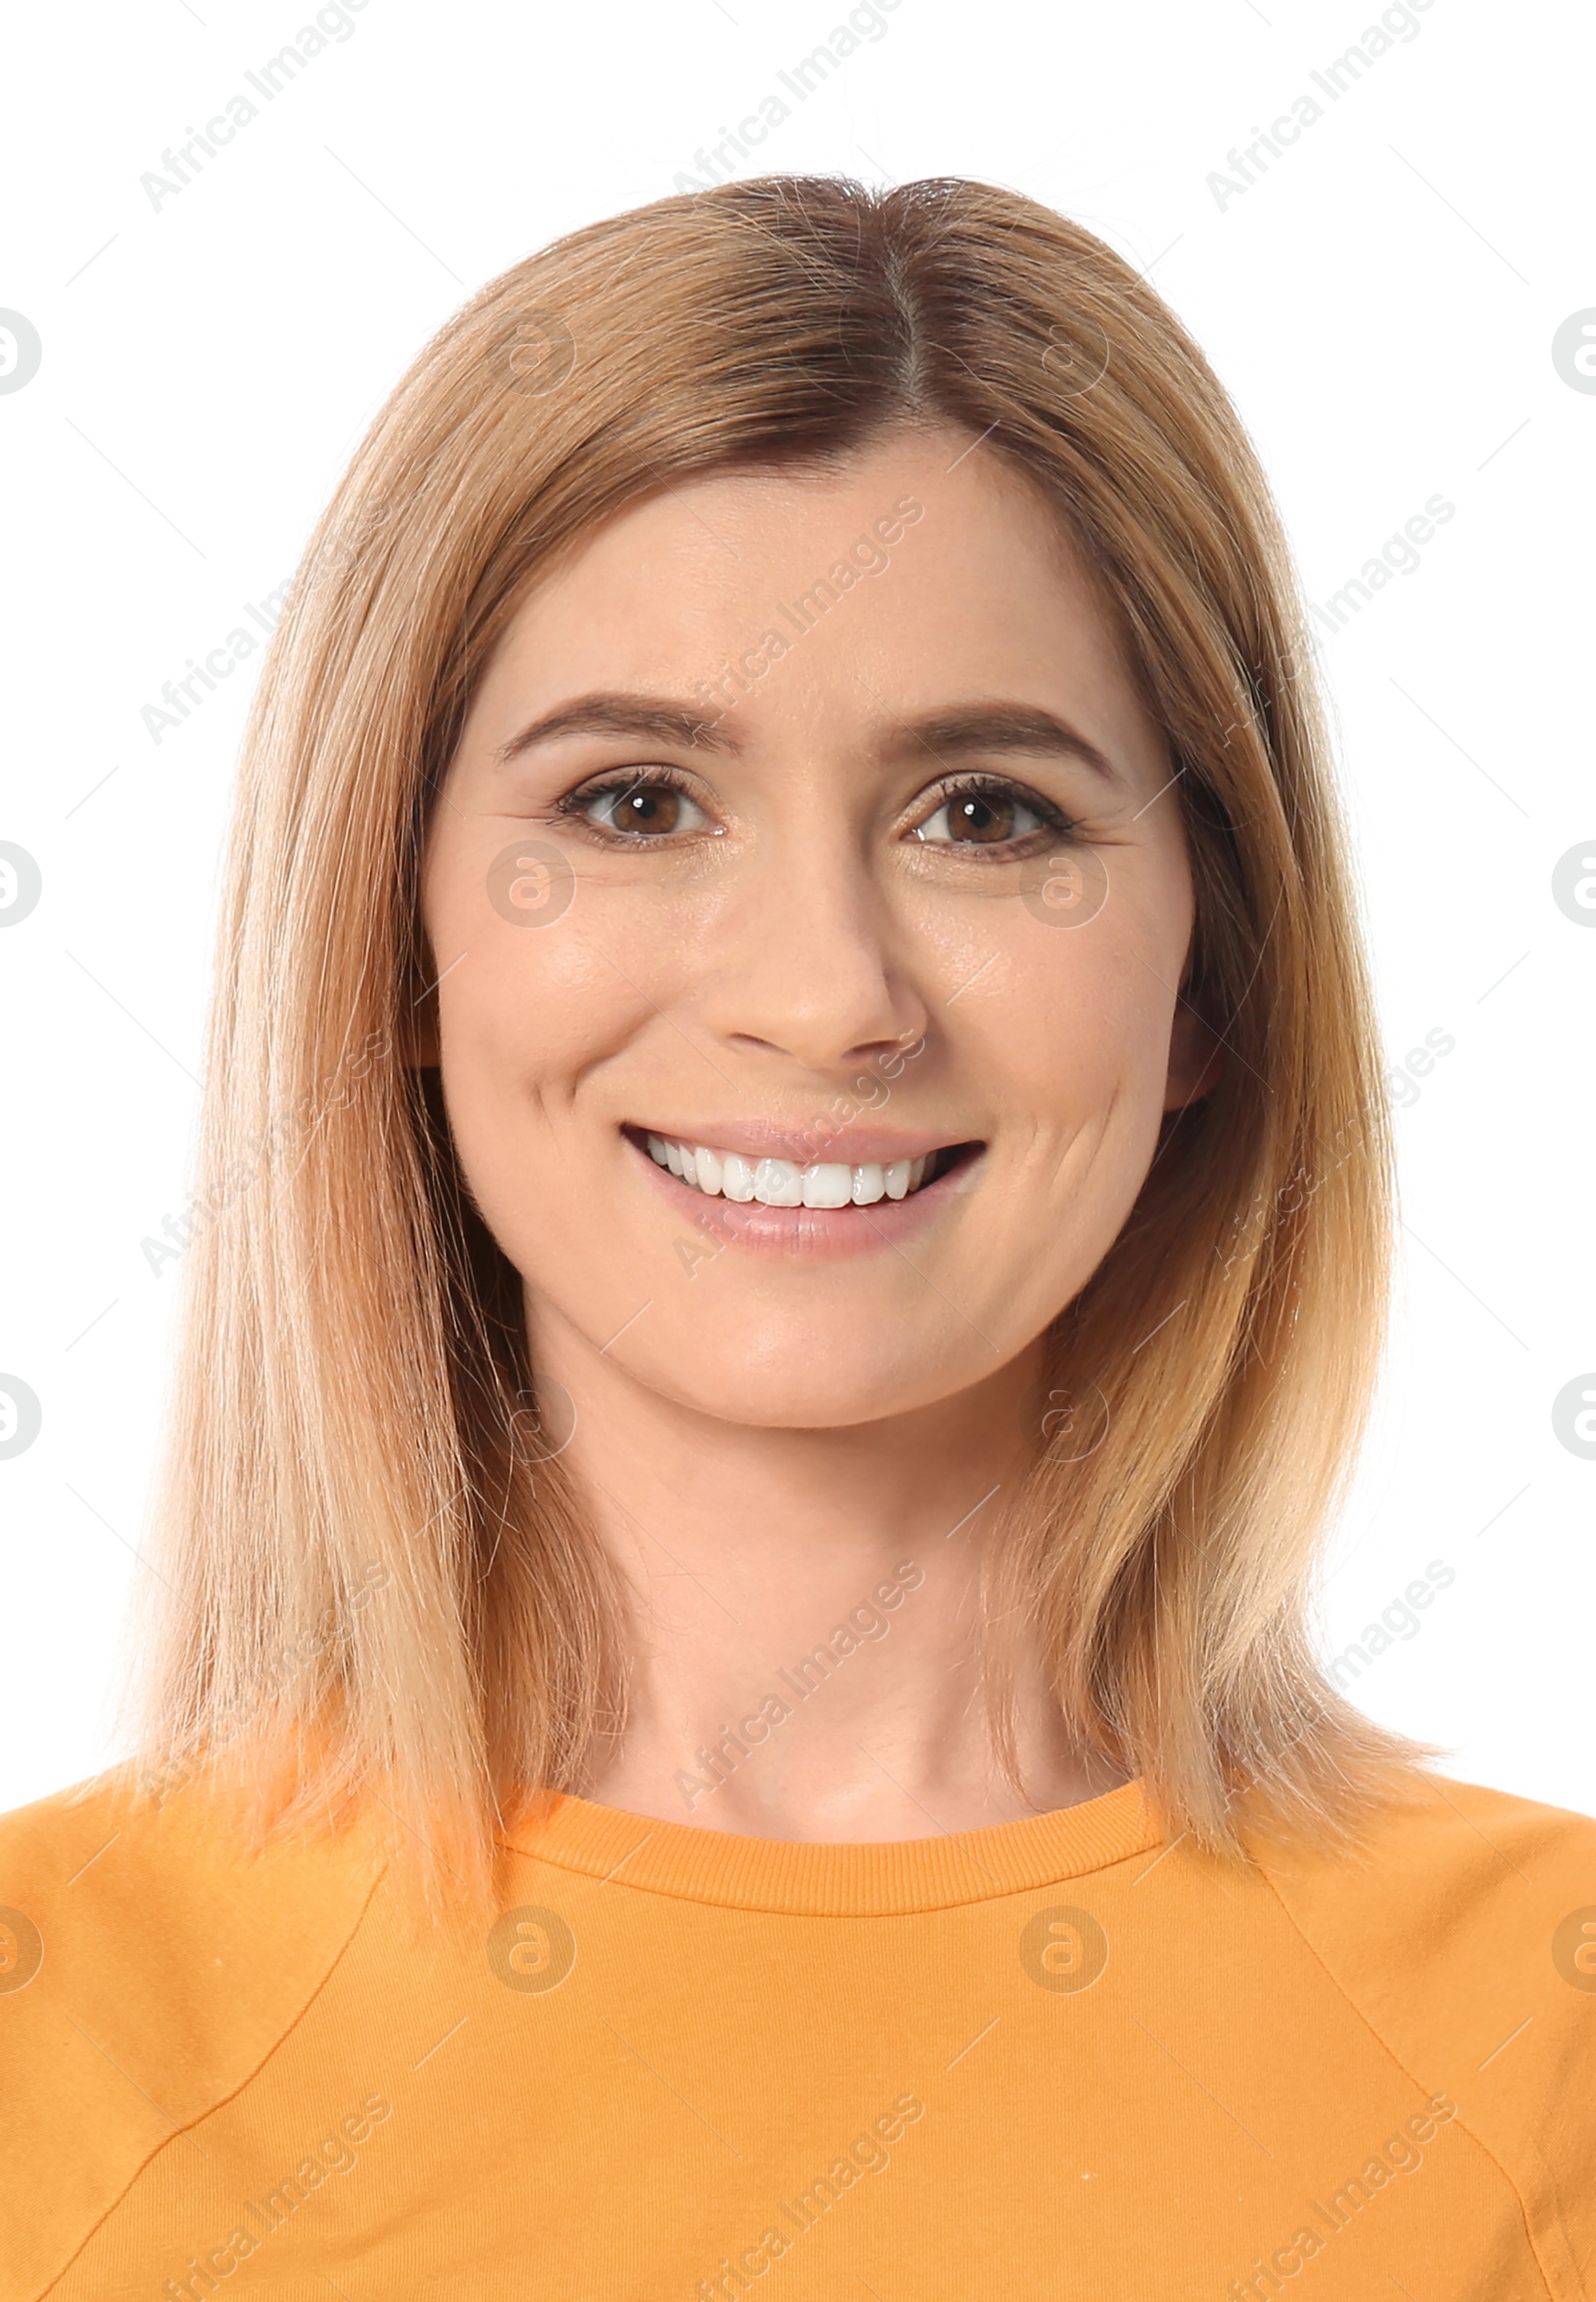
column 790, row 1256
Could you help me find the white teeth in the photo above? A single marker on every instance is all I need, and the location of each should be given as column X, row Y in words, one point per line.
column 828, row 1185
column 779, row 1183
column 782, row 1181
column 737, row 1176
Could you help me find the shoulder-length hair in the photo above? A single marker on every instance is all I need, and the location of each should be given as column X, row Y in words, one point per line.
column 383, row 1586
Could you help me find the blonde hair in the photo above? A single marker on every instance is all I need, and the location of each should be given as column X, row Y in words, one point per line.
column 380, row 1590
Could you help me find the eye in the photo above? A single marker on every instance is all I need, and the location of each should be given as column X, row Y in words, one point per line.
column 637, row 806
column 989, row 814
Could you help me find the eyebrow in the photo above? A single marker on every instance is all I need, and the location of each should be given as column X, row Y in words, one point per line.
column 1005, row 727
column 948, row 735
column 652, row 718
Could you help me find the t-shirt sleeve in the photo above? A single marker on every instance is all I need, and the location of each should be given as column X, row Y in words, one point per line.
column 1464, row 1934
column 149, row 1964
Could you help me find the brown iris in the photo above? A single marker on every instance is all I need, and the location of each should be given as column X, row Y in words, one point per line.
column 647, row 806
column 987, row 816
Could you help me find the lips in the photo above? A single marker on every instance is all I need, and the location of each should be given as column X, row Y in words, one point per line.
column 811, row 1218
column 749, row 1171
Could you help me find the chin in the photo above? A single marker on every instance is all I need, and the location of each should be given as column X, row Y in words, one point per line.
column 812, row 1379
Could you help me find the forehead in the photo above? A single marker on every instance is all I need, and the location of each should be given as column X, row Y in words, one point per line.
column 922, row 568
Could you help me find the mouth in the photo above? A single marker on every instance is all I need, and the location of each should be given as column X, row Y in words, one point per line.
column 717, row 1172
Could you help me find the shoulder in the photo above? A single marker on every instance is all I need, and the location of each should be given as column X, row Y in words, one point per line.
column 1481, row 1874
column 176, row 1880
column 1463, row 1929
column 150, row 1958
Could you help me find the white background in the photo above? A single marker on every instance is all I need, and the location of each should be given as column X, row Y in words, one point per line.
column 1382, row 303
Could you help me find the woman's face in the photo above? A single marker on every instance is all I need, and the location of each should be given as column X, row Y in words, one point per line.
column 808, row 833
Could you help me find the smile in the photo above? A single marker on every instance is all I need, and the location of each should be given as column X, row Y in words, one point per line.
column 719, row 1173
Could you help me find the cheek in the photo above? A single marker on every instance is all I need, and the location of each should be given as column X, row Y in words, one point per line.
column 514, row 1019
column 525, row 1014
column 532, row 963
column 1080, row 1024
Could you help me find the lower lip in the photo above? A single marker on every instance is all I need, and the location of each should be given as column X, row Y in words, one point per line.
column 806, row 1233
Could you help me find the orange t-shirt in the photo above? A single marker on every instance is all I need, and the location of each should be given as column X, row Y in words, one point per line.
column 1055, row 2057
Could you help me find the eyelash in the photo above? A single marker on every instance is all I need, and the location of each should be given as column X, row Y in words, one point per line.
column 1052, row 820
column 574, row 804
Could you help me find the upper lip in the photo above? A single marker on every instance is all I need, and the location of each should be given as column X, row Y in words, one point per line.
column 823, row 1141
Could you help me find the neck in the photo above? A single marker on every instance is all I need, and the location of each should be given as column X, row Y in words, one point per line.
column 803, row 1612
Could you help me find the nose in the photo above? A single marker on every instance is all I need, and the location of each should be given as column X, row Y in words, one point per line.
column 800, row 964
